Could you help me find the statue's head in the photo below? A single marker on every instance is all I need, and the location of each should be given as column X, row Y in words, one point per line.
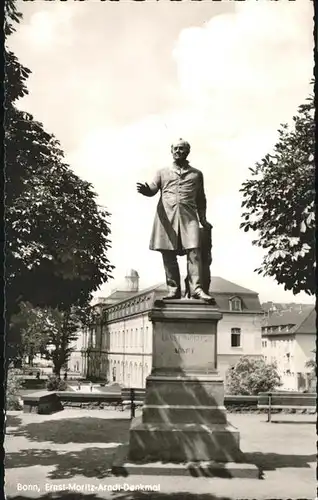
column 180, row 150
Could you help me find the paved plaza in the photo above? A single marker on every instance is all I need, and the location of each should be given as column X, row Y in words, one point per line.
column 69, row 455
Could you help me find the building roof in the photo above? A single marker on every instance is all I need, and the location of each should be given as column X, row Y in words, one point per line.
column 221, row 289
column 299, row 319
column 117, row 296
column 220, row 285
column 270, row 307
column 309, row 324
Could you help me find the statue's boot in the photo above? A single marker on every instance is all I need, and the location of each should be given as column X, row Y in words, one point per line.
column 172, row 275
column 199, row 294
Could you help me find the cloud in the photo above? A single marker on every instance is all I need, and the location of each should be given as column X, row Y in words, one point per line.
column 49, row 29
column 239, row 76
column 246, row 52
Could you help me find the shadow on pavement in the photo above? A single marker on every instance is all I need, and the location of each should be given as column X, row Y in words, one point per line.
column 97, row 462
column 140, row 495
column 299, row 422
column 13, row 421
column 89, row 462
column 273, row 461
column 128, row 495
column 76, row 430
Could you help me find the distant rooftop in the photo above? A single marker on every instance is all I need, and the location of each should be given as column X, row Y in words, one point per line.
column 220, row 285
column 301, row 318
column 222, row 290
column 270, row 307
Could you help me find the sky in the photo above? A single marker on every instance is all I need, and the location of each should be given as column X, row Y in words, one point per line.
column 117, row 82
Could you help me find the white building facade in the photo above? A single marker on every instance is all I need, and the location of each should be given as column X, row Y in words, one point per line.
column 124, row 338
column 289, row 341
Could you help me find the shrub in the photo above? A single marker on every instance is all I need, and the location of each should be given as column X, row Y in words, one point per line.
column 312, row 378
column 54, row 383
column 252, row 375
column 14, row 385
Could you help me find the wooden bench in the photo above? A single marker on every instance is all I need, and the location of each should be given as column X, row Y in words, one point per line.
column 286, row 401
column 42, row 402
column 134, row 397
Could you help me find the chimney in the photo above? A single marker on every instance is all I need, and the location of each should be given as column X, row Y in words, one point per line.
column 132, row 280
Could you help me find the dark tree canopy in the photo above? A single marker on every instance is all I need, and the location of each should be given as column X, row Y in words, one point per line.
column 279, row 204
column 57, row 237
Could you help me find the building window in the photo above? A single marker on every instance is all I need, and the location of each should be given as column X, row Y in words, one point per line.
column 236, row 304
column 235, row 337
column 264, row 343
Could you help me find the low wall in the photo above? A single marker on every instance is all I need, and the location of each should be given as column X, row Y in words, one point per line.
column 241, row 404
column 233, row 404
column 87, row 400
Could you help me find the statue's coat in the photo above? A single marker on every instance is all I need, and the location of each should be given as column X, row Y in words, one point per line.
column 181, row 203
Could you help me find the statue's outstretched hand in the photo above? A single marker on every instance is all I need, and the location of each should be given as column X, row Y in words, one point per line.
column 144, row 189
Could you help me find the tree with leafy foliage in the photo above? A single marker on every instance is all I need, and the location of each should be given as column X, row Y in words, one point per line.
column 250, row 376
column 14, row 387
column 57, row 330
column 28, row 325
column 62, row 328
column 57, row 237
column 279, row 204
column 312, row 376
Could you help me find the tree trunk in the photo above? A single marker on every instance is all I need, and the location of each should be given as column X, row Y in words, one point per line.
column 57, row 369
column 57, row 365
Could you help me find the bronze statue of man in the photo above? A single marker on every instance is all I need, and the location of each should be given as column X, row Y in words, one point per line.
column 176, row 229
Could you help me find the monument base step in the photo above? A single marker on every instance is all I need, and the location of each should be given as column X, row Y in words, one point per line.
column 184, row 442
column 122, row 466
column 183, row 414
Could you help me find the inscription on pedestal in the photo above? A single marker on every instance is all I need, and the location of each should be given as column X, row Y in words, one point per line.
column 183, row 348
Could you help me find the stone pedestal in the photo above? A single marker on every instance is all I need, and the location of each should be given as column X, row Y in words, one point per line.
column 183, row 422
column 184, row 418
